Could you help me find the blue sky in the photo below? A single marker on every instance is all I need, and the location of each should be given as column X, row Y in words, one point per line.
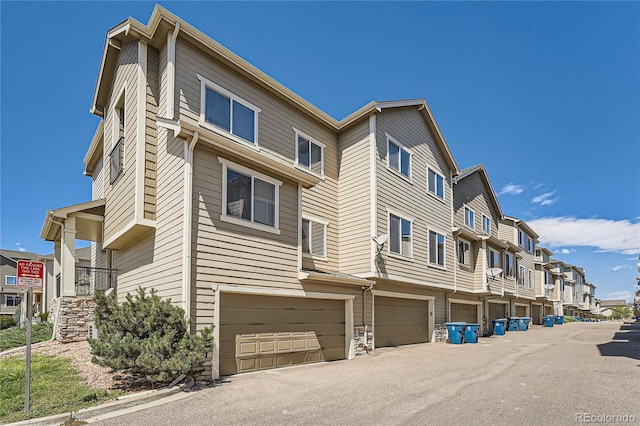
column 545, row 94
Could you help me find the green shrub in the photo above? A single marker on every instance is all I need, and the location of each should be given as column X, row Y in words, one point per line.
column 16, row 315
column 6, row 321
column 44, row 316
column 569, row 318
column 146, row 336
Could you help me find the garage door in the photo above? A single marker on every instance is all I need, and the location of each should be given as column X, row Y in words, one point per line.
column 263, row 332
column 497, row 310
column 521, row 311
column 464, row 312
column 400, row 321
column 548, row 310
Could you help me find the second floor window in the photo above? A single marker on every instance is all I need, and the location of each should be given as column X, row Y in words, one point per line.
column 399, row 235
column 509, row 270
column 464, row 253
column 228, row 112
column 314, row 237
column 493, row 260
column 249, row 197
column 116, row 156
column 10, row 280
column 398, row 157
column 522, row 276
column 486, row 224
column 436, row 248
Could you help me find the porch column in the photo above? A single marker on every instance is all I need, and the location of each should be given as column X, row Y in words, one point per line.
column 57, row 267
column 68, row 258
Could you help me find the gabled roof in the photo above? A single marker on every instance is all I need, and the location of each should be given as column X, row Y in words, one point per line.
column 485, row 177
column 15, row 255
column 162, row 22
column 522, row 224
column 612, row 303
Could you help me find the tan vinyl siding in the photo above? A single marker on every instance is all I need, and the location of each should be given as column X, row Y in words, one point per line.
column 472, row 192
column 97, row 180
column 354, row 199
column 411, row 199
column 227, row 253
column 120, row 208
column 466, row 275
column 153, row 98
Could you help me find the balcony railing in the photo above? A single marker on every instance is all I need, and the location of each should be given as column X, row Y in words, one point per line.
column 89, row 280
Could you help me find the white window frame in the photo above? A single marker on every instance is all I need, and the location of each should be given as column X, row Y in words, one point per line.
column 531, row 278
column 444, row 252
column 314, row 141
column 498, row 257
column 13, row 297
column 469, row 217
column 118, row 111
column 226, row 164
column 6, row 280
column 486, row 224
column 512, row 273
column 436, row 175
column 205, row 84
column 467, row 258
column 325, row 224
column 401, row 147
column 402, row 217
column 522, row 276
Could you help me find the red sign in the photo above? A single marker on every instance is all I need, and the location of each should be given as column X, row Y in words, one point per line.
column 30, row 275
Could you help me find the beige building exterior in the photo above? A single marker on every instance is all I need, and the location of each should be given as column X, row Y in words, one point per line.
column 299, row 237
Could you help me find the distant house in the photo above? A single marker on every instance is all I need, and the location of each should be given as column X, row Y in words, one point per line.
column 606, row 306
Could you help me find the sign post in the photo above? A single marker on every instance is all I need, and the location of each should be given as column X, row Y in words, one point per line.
column 30, row 277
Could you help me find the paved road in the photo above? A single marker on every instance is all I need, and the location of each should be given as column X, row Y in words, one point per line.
column 544, row 376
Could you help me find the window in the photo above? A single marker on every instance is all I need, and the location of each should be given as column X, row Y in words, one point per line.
column 436, row 248
column 525, row 241
column 530, row 283
column 399, row 235
column 12, row 300
column 228, row 112
column 435, row 183
column 509, row 265
column 249, row 198
column 314, row 237
column 116, row 156
column 309, row 153
column 493, row 260
column 464, row 253
column 10, row 280
column 469, row 218
column 486, row 224
column 547, row 277
column 399, row 159
column 522, row 276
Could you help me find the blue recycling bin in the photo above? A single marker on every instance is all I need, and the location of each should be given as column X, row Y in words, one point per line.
column 548, row 320
column 514, row 324
column 456, row 332
column 559, row 319
column 523, row 323
column 471, row 333
column 499, row 326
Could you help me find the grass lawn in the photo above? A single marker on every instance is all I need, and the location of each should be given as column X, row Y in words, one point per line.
column 17, row 336
column 56, row 387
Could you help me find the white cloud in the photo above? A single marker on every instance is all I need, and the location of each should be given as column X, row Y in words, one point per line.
column 20, row 248
column 618, row 267
column 564, row 251
column 545, row 199
column 512, row 189
column 620, row 236
column 626, row 295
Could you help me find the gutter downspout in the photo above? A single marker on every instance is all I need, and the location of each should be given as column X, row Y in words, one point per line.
column 171, row 70
column 364, row 312
column 189, row 146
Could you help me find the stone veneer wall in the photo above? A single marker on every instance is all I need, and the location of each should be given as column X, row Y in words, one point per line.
column 75, row 314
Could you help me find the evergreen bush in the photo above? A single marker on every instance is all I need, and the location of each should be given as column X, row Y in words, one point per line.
column 146, row 336
column 6, row 321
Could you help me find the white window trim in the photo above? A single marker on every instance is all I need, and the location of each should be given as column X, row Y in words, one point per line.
column 204, row 83
column 489, row 250
column 466, row 265
column 391, row 139
column 115, row 129
column 429, row 263
column 391, row 211
column 312, row 140
column 13, row 297
column 522, row 277
column 473, row 224
column 325, row 224
column 434, row 194
column 513, row 264
column 484, row 216
column 10, row 276
column 243, row 222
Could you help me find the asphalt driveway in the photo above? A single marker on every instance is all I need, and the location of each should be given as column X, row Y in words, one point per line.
column 556, row 375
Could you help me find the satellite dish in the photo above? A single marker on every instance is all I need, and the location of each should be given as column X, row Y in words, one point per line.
column 493, row 272
column 108, row 291
column 380, row 239
column 549, row 286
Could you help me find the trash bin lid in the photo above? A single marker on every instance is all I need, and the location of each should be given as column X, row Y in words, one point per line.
column 455, row 323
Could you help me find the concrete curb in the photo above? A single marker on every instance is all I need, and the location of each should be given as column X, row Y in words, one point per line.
column 121, row 403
